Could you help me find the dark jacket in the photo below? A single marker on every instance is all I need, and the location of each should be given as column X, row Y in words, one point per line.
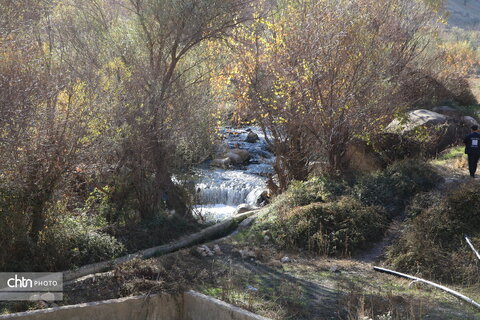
column 472, row 143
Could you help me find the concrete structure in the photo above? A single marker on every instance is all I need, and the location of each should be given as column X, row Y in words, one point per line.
column 198, row 306
column 189, row 306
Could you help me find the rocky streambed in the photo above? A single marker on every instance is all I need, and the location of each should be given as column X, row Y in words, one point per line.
column 235, row 180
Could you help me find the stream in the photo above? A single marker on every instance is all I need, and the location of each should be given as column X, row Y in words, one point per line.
column 219, row 191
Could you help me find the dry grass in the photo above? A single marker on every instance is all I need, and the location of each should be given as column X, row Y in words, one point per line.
column 307, row 287
column 475, row 87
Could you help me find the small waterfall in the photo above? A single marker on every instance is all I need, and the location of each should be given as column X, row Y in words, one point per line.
column 230, row 188
column 220, row 191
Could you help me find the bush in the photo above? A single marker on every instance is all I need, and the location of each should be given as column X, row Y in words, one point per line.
column 432, row 244
column 316, row 189
column 14, row 226
column 395, row 186
column 160, row 230
column 71, row 242
column 422, row 201
column 326, row 216
column 335, row 228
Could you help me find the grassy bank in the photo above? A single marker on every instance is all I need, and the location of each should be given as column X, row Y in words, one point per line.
column 328, row 216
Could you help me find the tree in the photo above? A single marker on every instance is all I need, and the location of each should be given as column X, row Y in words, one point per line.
column 159, row 44
column 319, row 74
column 44, row 115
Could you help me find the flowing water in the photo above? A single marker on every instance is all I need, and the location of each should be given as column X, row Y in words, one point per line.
column 220, row 191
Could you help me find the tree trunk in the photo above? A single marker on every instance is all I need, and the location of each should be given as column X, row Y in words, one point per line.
column 174, row 200
column 169, row 190
column 38, row 219
column 335, row 156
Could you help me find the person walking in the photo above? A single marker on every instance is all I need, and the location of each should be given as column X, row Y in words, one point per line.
column 472, row 149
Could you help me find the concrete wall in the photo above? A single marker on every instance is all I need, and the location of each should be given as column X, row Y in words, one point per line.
column 198, row 306
column 155, row 307
column 191, row 306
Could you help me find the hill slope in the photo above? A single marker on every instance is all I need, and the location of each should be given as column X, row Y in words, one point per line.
column 464, row 13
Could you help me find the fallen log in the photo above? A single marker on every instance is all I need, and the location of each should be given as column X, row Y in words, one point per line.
column 472, row 247
column 450, row 291
column 210, row 233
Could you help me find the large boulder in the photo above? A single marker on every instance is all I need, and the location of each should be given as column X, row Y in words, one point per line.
column 258, row 197
column 469, row 121
column 415, row 119
column 360, row 157
column 238, row 156
column 434, row 131
column 420, row 133
column 446, row 110
column 220, row 149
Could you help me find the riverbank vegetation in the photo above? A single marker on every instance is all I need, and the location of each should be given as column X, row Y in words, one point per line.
column 106, row 105
column 433, row 244
column 329, row 218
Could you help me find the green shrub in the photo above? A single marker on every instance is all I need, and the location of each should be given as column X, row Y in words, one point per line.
column 71, row 242
column 14, row 227
column 335, row 228
column 159, row 230
column 326, row 216
column 422, row 201
column 432, row 244
column 395, row 186
column 316, row 189
column 463, row 207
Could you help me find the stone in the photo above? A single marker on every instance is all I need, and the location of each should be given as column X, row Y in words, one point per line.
column 446, row 110
column 258, row 197
column 247, row 254
column 442, row 131
column 264, row 198
column 251, row 288
column 361, row 157
column 334, row 269
column 47, row 296
column 252, row 137
column 416, row 119
column 242, row 208
column 217, row 250
column 285, row 260
column 208, row 251
column 221, row 163
column 201, row 251
column 238, row 156
column 469, row 121
column 205, row 251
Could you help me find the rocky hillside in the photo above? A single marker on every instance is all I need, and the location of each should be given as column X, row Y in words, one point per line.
column 464, row 13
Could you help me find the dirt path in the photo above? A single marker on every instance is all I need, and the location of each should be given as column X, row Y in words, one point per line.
column 376, row 252
column 453, row 172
